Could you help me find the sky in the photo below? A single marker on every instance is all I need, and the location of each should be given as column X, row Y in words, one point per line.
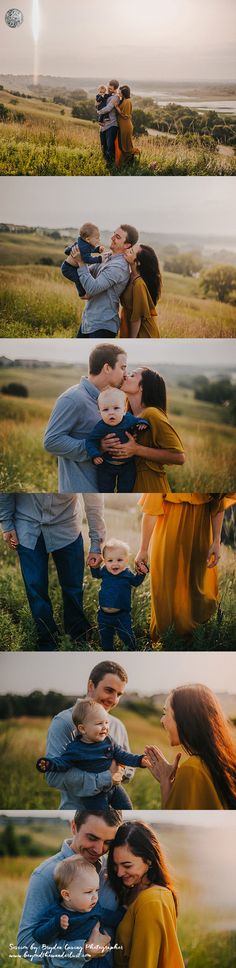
column 197, row 352
column 188, row 39
column 159, row 673
column 204, row 206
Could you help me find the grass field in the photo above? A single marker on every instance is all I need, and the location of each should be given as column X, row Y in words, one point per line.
column 206, row 926
column 48, row 143
column 26, row 466
column 17, row 632
column 36, row 300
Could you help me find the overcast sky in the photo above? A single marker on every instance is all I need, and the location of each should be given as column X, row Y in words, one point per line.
column 199, row 352
column 148, row 674
column 163, row 39
column 205, row 206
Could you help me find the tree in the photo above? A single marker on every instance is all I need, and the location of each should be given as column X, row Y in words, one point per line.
column 219, row 282
column 4, row 113
column 15, row 390
column 184, row 264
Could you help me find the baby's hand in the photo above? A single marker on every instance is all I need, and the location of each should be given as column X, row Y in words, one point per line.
column 144, row 761
column 64, row 922
column 141, row 426
column 101, row 248
column 97, row 460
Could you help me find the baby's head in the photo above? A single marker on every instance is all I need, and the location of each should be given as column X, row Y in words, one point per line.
column 116, row 556
column 90, row 719
column 90, row 233
column 102, row 89
column 112, row 406
column 77, row 882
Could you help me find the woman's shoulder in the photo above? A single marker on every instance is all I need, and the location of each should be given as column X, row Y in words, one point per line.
column 154, row 895
column 154, row 414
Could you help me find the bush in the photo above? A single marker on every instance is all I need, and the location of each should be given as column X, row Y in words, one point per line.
column 15, row 390
column 4, row 113
column 219, row 282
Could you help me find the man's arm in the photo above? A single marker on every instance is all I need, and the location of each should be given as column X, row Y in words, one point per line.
column 76, row 782
column 58, row 438
column 94, row 508
column 7, row 511
column 70, row 272
column 108, row 277
column 109, row 107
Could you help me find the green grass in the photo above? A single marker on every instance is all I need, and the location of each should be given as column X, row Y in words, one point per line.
column 36, row 300
column 47, row 144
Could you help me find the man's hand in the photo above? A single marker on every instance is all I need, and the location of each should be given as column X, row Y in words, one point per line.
column 10, row 538
column 94, row 559
column 74, row 258
column 97, row 460
column 64, row 922
column 98, row 943
column 117, row 772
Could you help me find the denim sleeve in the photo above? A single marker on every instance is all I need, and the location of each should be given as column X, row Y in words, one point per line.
column 58, row 438
column 109, row 107
column 136, row 580
column 94, row 507
column 47, row 930
column 92, row 441
column 70, row 272
column 7, row 511
column 92, row 260
column 110, row 275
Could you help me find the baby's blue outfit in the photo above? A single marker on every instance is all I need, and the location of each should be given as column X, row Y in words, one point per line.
column 114, row 472
column 49, row 930
column 115, row 592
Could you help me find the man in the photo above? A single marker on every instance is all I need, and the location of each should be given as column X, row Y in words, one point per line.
column 36, row 525
column 103, row 285
column 91, row 837
column 110, row 123
column 75, row 415
column 106, row 685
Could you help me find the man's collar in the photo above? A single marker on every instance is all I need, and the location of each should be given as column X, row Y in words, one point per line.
column 90, row 387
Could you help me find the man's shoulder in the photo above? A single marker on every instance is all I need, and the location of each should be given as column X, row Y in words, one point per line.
column 48, row 865
column 65, row 716
column 71, row 391
column 116, row 727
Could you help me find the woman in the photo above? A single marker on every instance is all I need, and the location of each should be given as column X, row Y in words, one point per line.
column 125, row 128
column 139, row 315
column 146, row 392
column 184, row 531
column 206, row 780
column 139, row 876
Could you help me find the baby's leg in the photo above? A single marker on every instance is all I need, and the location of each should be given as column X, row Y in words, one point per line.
column 119, row 799
column 106, row 629
column 125, row 630
column 126, row 476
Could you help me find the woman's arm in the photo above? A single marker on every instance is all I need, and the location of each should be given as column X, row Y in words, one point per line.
column 147, row 527
column 162, row 770
column 214, row 551
column 135, row 327
column 133, row 449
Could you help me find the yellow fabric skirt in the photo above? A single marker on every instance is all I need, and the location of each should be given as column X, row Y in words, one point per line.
column 184, row 591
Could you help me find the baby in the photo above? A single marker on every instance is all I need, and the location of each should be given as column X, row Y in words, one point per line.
column 75, row 912
column 102, row 97
column 93, row 751
column 89, row 243
column 113, row 472
column 117, row 580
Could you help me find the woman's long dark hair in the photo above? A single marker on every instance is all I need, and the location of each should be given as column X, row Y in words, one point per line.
column 142, row 841
column 204, row 732
column 153, row 390
column 125, row 91
column 149, row 269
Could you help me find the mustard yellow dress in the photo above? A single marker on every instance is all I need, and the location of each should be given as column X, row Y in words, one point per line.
column 138, row 304
column 150, row 476
column 184, row 591
column 124, row 117
column 147, row 933
column 193, row 788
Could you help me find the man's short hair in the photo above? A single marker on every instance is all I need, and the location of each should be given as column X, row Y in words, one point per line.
column 106, row 353
column 113, row 818
column 131, row 234
column 114, row 83
column 87, row 229
column 105, row 668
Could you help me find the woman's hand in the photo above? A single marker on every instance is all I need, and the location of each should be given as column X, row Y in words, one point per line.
column 161, row 769
column 141, row 563
column 130, row 256
column 98, row 943
column 213, row 554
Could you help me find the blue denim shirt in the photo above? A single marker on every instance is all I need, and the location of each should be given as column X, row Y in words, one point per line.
column 74, row 415
column 57, row 517
column 104, row 285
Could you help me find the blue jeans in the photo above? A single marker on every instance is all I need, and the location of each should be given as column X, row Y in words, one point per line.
column 116, row 797
column 69, row 563
column 116, row 476
column 119, row 622
column 110, row 144
column 99, row 333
